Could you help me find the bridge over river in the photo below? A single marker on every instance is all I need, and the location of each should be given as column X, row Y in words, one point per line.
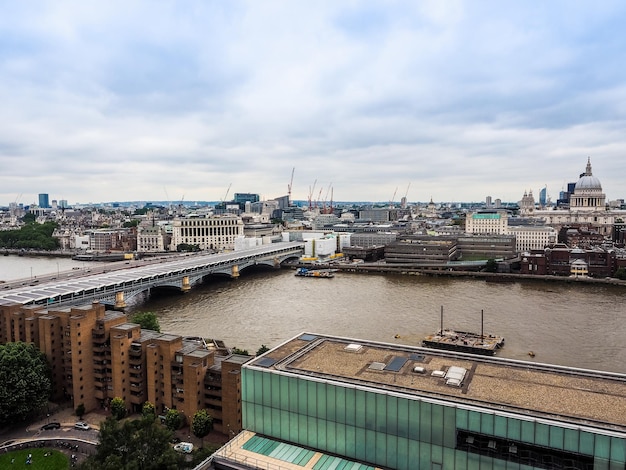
column 118, row 285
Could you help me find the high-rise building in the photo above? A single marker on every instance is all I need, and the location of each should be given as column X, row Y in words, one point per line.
column 543, row 196
column 44, row 201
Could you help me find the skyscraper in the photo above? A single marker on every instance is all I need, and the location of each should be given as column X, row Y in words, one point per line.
column 543, row 196
column 43, row 201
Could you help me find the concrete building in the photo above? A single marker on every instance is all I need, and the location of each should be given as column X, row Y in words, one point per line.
column 532, row 237
column 487, row 222
column 422, row 250
column 96, row 355
column 320, row 401
column 217, row 232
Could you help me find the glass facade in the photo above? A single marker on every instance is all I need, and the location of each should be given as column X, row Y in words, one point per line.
column 404, row 432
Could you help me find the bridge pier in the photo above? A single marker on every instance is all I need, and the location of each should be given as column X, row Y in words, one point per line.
column 234, row 271
column 120, row 304
column 186, row 285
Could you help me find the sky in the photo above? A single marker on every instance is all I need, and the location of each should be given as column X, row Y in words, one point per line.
column 360, row 100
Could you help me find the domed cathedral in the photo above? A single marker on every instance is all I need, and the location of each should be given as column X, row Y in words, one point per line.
column 587, row 207
column 588, row 195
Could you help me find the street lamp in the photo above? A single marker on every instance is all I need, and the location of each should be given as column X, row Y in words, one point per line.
column 31, row 272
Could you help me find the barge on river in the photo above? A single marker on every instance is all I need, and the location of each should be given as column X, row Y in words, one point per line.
column 306, row 272
column 464, row 341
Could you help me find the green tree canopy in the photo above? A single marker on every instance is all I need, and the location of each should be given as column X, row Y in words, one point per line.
column 173, row 420
column 491, row 266
column 80, row 411
column 202, row 423
column 118, row 408
column 136, row 444
column 25, row 382
column 262, row 349
column 31, row 236
column 148, row 411
column 147, row 320
column 620, row 274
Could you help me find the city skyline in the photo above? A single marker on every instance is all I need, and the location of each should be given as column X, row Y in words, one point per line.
column 453, row 101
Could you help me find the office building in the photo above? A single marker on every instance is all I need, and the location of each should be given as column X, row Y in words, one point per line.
column 44, row 201
column 333, row 402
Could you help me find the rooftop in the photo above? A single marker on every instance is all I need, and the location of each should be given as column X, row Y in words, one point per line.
column 583, row 397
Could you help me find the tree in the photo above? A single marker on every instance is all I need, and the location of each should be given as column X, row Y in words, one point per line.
column 80, row 410
column 491, row 266
column 241, row 352
column 148, row 411
column 173, row 420
column 147, row 320
column 136, row 444
column 262, row 349
column 620, row 274
column 202, row 423
column 25, row 383
column 118, row 408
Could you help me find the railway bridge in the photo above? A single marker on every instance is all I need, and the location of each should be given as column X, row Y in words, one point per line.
column 117, row 286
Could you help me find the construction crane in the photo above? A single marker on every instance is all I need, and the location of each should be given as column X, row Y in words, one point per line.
column 311, row 189
column 324, row 209
column 404, row 200
column 393, row 198
column 227, row 191
column 289, row 187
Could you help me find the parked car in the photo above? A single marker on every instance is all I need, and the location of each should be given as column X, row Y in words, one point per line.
column 82, row 426
column 49, row 426
column 186, row 447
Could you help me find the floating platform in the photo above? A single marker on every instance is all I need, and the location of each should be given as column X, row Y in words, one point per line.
column 464, row 341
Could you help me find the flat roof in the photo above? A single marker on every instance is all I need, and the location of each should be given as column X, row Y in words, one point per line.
column 583, row 397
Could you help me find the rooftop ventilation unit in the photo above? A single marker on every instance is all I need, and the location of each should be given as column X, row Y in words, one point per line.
column 377, row 366
column 353, row 347
column 419, row 370
column 455, row 375
column 438, row 373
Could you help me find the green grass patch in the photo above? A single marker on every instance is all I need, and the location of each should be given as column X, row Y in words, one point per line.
column 54, row 461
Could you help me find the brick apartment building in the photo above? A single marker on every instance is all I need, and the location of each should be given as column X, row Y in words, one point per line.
column 96, row 355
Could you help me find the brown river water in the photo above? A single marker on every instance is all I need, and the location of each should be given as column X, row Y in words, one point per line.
column 572, row 324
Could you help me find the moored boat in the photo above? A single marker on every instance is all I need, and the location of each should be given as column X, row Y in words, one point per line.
column 323, row 273
column 464, row 341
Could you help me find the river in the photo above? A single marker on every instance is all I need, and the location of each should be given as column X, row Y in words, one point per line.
column 580, row 325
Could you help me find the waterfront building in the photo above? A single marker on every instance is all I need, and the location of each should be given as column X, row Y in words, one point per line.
column 96, row 355
column 561, row 260
column 216, row 232
column 422, row 250
column 342, row 402
column 482, row 247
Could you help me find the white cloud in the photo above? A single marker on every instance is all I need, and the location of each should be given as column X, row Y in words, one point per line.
column 127, row 101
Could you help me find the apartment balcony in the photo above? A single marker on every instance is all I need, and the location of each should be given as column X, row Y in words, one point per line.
column 216, row 393
column 213, row 403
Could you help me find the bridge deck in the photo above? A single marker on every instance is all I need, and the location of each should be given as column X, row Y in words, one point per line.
column 138, row 276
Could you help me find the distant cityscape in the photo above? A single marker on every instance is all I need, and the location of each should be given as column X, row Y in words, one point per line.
column 581, row 233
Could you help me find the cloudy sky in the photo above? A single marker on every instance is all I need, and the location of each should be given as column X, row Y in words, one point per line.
column 449, row 100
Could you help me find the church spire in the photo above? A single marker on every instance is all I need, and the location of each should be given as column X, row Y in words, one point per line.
column 588, row 170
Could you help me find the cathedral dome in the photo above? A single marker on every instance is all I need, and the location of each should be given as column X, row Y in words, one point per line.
column 587, row 181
